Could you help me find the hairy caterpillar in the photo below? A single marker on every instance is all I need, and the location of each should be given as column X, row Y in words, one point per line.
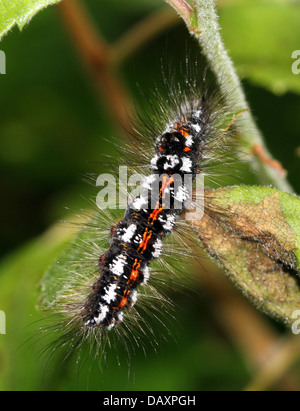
column 178, row 140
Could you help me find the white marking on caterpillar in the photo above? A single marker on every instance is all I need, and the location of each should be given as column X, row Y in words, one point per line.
column 110, row 293
column 148, row 181
column 129, row 233
column 146, row 274
column 137, row 239
column 189, row 141
column 133, row 297
column 102, row 314
column 117, row 266
column 120, row 315
column 186, row 165
column 158, row 246
column 168, row 129
column 171, row 162
column 139, row 203
column 170, row 222
column 111, row 325
column 196, row 127
column 153, row 161
column 182, row 194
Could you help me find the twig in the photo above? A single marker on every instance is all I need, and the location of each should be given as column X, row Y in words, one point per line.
column 203, row 24
column 282, row 358
column 259, row 151
column 255, row 338
column 142, row 32
column 183, row 9
column 95, row 54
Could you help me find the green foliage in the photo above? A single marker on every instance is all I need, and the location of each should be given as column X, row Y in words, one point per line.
column 254, row 232
column 19, row 12
column 266, row 60
column 53, row 129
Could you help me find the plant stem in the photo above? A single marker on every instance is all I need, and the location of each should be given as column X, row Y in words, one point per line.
column 143, row 32
column 183, row 8
column 204, row 26
column 250, row 332
column 95, row 54
column 279, row 363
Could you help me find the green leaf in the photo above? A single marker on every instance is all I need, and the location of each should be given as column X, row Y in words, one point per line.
column 20, row 272
column 261, row 36
column 24, row 365
column 254, row 233
column 19, row 12
column 76, row 266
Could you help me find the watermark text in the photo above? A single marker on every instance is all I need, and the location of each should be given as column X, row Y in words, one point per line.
column 154, row 191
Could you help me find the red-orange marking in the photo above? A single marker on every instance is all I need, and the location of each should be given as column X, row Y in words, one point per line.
column 145, row 240
column 123, row 302
column 134, row 271
column 182, row 130
column 146, row 237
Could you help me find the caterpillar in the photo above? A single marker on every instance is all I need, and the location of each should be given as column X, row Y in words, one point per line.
column 137, row 239
column 187, row 124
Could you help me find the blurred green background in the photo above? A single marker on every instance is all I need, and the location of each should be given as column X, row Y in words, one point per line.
column 53, row 129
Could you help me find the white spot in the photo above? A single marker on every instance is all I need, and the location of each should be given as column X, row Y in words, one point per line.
column 146, row 274
column 120, row 315
column 138, row 239
column 162, row 219
column 133, row 296
column 102, row 314
column 129, row 232
column 117, row 266
column 139, row 203
column 172, row 161
column 171, row 220
column 198, row 113
column 111, row 326
column 189, row 141
column 157, row 248
column 167, row 190
column 186, row 165
column 196, row 127
column 148, row 181
column 182, row 194
column 110, row 293
column 154, row 161
column 168, row 129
